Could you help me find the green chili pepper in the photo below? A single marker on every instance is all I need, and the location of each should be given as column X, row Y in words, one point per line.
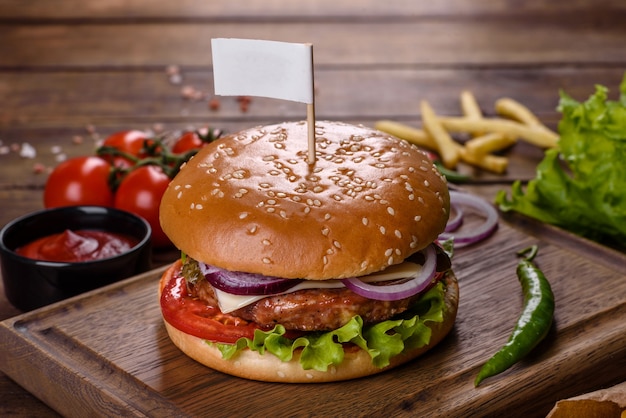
column 534, row 322
column 451, row 175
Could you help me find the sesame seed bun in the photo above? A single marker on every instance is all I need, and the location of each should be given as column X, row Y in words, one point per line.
column 268, row 368
column 252, row 202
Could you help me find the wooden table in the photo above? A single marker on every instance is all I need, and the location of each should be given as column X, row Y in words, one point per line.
column 72, row 72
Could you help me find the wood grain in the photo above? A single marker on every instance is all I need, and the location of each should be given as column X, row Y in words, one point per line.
column 112, row 355
column 324, row 9
column 433, row 42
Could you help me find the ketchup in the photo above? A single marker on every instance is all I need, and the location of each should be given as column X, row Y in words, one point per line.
column 75, row 246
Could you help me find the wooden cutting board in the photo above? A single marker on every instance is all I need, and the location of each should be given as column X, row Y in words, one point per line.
column 107, row 353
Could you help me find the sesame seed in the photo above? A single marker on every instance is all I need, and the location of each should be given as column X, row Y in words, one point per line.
column 388, row 252
column 390, row 261
column 365, row 221
column 337, row 244
column 266, row 242
column 411, row 196
column 177, row 187
column 327, row 216
column 252, row 229
column 325, row 260
column 417, row 218
column 266, row 260
column 199, row 206
column 271, row 202
column 398, row 233
column 391, row 211
column 179, row 195
column 325, row 231
column 283, row 214
column 271, row 210
column 382, row 230
column 426, row 183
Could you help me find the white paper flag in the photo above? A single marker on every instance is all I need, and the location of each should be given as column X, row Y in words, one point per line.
column 249, row 67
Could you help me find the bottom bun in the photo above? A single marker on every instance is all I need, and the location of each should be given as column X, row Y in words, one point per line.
column 268, row 368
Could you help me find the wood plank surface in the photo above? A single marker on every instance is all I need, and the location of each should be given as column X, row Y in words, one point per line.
column 111, row 355
column 433, row 42
column 44, row 10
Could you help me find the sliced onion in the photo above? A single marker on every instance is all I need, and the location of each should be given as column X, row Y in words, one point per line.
column 406, row 289
column 456, row 222
column 247, row 284
column 479, row 233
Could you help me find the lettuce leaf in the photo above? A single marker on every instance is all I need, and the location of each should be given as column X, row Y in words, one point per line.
column 581, row 185
column 382, row 341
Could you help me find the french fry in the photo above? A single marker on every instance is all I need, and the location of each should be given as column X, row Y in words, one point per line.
column 536, row 135
column 515, row 110
column 402, row 131
column 488, row 143
column 447, row 148
column 470, row 107
column 494, row 163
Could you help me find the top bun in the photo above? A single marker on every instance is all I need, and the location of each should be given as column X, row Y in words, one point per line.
column 251, row 202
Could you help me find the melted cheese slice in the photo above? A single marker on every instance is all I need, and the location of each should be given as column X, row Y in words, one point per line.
column 229, row 302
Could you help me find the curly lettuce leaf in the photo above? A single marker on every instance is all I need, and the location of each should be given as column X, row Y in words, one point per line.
column 581, row 185
column 382, row 341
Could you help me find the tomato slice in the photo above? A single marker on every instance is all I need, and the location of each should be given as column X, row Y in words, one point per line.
column 195, row 317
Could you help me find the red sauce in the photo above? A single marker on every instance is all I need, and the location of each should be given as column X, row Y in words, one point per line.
column 76, row 246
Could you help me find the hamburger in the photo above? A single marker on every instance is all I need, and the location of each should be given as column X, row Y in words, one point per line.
column 299, row 271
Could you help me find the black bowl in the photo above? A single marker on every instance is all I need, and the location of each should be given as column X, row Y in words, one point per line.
column 30, row 283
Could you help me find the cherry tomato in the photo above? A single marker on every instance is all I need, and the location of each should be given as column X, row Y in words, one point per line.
column 79, row 181
column 131, row 142
column 188, row 141
column 140, row 192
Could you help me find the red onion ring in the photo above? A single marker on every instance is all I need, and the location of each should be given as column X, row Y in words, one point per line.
column 246, row 284
column 475, row 235
column 413, row 286
column 456, row 222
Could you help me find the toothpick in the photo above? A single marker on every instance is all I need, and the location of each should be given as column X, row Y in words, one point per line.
column 310, row 116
